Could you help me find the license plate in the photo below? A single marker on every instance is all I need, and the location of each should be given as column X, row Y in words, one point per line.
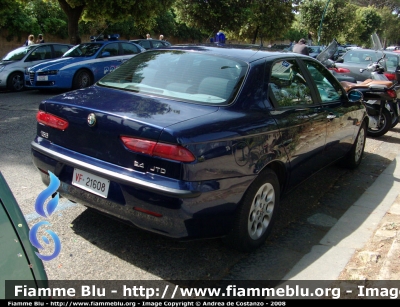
column 90, row 182
column 42, row 78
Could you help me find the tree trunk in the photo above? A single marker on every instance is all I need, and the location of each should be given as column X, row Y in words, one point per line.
column 73, row 14
column 255, row 35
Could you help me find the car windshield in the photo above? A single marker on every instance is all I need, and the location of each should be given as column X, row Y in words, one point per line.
column 314, row 49
column 83, row 50
column 17, row 54
column 185, row 76
column 360, row 57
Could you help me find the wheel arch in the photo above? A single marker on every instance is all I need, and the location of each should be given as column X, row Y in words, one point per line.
column 78, row 71
column 22, row 72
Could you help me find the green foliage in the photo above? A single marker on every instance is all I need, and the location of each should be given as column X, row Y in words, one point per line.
column 390, row 27
column 212, row 15
column 371, row 21
column 17, row 20
column 337, row 16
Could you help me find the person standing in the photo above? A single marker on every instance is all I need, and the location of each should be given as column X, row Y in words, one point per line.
column 40, row 39
column 31, row 40
column 301, row 47
column 161, row 37
column 148, row 36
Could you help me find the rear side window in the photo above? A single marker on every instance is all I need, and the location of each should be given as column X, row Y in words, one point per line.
column 129, row 49
column 391, row 62
column 180, row 75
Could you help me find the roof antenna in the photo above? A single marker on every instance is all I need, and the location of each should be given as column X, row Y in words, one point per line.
column 99, row 37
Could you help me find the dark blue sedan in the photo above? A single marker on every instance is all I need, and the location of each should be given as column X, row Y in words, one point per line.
column 199, row 141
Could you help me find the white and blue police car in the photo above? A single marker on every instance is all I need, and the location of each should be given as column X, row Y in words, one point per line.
column 82, row 65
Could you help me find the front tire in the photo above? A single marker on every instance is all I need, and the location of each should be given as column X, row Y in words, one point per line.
column 257, row 213
column 15, row 82
column 82, row 79
column 385, row 124
column 353, row 158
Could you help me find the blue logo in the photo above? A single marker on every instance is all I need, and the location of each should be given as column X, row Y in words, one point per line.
column 50, row 191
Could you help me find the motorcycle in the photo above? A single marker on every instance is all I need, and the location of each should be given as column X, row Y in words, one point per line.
column 377, row 99
column 392, row 104
column 380, row 97
column 377, row 73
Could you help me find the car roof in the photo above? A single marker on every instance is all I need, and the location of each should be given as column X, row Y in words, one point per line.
column 46, row 44
column 362, row 50
column 247, row 53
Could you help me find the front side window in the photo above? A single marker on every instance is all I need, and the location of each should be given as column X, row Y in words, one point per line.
column 187, row 76
column 287, row 86
column 328, row 87
column 111, row 48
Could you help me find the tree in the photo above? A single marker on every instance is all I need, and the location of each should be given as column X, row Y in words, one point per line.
column 267, row 19
column 390, row 27
column 212, row 15
column 366, row 21
column 337, row 15
column 240, row 19
column 141, row 11
column 17, row 19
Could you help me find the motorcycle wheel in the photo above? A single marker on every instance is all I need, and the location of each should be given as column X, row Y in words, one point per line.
column 385, row 124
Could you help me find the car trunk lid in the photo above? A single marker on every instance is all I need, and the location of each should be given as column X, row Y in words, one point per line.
column 95, row 124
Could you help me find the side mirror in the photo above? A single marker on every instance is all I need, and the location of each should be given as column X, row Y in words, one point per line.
column 355, row 96
column 105, row 54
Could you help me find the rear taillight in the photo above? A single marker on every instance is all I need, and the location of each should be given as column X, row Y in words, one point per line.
column 51, row 120
column 392, row 93
column 156, row 149
column 390, row 76
column 341, row 70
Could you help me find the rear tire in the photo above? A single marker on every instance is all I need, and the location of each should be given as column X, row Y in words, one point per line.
column 256, row 214
column 15, row 82
column 82, row 79
column 386, row 123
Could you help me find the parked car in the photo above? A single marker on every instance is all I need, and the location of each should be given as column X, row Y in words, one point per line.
column 81, row 66
column 14, row 63
column 357, row 60
column 338, row 53
column 199, row 141
column 392, row 48
column 18, row 260
column 312, row 50
column 151, row 43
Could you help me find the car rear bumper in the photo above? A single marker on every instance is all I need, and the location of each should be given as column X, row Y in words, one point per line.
column 169, row 207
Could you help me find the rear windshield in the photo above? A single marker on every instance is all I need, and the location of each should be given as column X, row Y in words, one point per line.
column 361, row 56
column 187, row 76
